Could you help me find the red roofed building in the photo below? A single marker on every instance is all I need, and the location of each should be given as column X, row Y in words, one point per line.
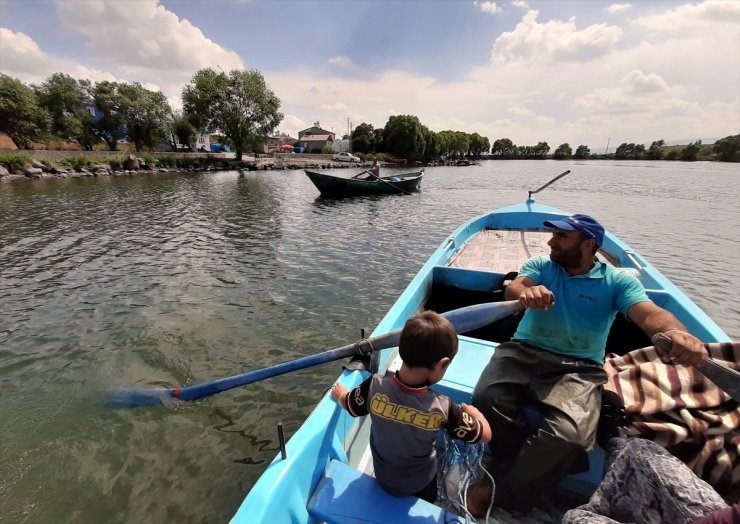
column 314, row 139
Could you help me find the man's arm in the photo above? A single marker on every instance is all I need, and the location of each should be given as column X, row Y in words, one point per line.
column 686, row 349
column 529, row 295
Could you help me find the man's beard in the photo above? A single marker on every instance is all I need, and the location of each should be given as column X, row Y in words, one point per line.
column 568, row 258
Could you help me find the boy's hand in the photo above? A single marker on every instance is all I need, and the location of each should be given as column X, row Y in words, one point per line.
column 486, row 433
column 339, row 393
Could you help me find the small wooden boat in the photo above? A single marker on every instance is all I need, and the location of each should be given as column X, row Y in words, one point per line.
column 325, row 475
column 334, row 186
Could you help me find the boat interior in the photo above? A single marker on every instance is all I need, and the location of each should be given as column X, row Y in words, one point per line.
column 477, row 273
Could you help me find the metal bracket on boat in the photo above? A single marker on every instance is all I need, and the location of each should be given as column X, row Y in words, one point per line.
column 281, row 440
column 634, row 260
column 366, row 358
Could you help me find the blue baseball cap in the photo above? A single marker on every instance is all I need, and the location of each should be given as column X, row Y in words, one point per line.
column 587, row 225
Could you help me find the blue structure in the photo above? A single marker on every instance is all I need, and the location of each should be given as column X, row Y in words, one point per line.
column 326, row 457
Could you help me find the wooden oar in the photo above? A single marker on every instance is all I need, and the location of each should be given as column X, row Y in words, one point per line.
column 387, row 182
column 728, row 380
column 463, row 319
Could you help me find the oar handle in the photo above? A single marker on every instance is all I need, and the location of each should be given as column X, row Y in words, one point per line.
column 725, row 378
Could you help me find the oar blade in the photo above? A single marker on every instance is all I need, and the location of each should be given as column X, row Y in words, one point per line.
column 135, row 398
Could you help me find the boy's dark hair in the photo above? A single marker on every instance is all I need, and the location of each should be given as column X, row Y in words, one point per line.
column 426, row 338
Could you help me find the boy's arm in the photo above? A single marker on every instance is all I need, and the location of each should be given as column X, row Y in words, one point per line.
column 355, row 401
column 485, row 429
column 468, row 424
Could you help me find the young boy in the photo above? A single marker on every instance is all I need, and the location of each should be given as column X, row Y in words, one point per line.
column 406, row 415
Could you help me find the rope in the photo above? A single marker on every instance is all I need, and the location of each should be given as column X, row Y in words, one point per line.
column 359, row 347
column 467, row 459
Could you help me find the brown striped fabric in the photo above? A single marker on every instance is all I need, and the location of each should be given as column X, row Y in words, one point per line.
column 680, row 409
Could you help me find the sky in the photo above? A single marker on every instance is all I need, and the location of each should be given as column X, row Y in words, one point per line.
column 583, row 72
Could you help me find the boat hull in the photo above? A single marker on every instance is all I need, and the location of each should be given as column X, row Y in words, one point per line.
column 283, row 492
column 334, row 186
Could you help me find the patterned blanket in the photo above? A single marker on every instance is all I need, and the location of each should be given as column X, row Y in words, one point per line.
column 678, row 408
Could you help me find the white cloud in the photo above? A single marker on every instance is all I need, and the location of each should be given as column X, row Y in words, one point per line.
column 343, row 63
column 618, row 8
column 489, row 7
column 554, row 40
column 338, row 107
column 709, row 13
column 145, row 41
column 521, row 4
column 20, row 55
column 637, row 82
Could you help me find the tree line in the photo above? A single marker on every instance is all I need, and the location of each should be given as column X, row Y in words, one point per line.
column 241, row 107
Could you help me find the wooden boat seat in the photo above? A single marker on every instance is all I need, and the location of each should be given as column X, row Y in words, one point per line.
column 347, row 496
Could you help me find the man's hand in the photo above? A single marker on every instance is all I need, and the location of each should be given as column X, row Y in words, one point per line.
column 537, row 297
column 685, row 349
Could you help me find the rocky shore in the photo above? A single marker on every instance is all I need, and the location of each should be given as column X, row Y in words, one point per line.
column 133, row 165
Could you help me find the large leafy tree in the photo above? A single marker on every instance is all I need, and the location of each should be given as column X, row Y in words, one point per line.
column 582, row 152
column 111, row 104
column 655, row 152
column 431, row 144
column 179, row 130
column 239, row 104
column 504, row 148
column 478, row 145
column 404, row 137
column 145, row 115
column 21, row 116
column 363, row 138
column 728, row 149
column 67, row 100
column 563, row 151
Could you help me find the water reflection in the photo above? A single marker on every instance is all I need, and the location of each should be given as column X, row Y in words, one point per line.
column 178, row 279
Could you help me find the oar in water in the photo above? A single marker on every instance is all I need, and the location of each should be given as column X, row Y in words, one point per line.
column 394, row 186
column 728, row 380
column 463, row 319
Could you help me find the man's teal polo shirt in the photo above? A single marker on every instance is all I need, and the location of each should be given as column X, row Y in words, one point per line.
column 585, row 307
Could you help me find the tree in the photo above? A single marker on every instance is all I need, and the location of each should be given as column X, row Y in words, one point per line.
column 363, row 139
column 179, row 130
column 690, row 152
column 630, row 150
column 111, row 104
column 21, row 116
column 503, row 148
column 431, row 144
column 239, row 104
column 404, row 137
column 563, row 151
column 728, row 149
column 66, row 100
column 541, row 150
column 378, row 139
column 478, row 145
column 655, row 152
column 145, row 115
column 582, row 152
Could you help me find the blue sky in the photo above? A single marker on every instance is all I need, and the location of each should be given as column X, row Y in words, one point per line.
column 580, row 72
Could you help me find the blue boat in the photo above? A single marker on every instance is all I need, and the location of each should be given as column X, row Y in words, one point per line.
column 326, row 473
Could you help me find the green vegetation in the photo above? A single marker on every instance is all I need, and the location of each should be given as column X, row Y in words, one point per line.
column 239, row 109
column 21, row 116
column 239, row 104
column 15, row 161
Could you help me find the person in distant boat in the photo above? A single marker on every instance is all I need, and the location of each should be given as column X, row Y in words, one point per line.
column 541, row 391
column 407, row 416
column 371, row 174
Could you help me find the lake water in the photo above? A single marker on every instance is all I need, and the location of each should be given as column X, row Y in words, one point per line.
column 166, row 280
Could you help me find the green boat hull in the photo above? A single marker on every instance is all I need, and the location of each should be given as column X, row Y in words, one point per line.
column 334, row 186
